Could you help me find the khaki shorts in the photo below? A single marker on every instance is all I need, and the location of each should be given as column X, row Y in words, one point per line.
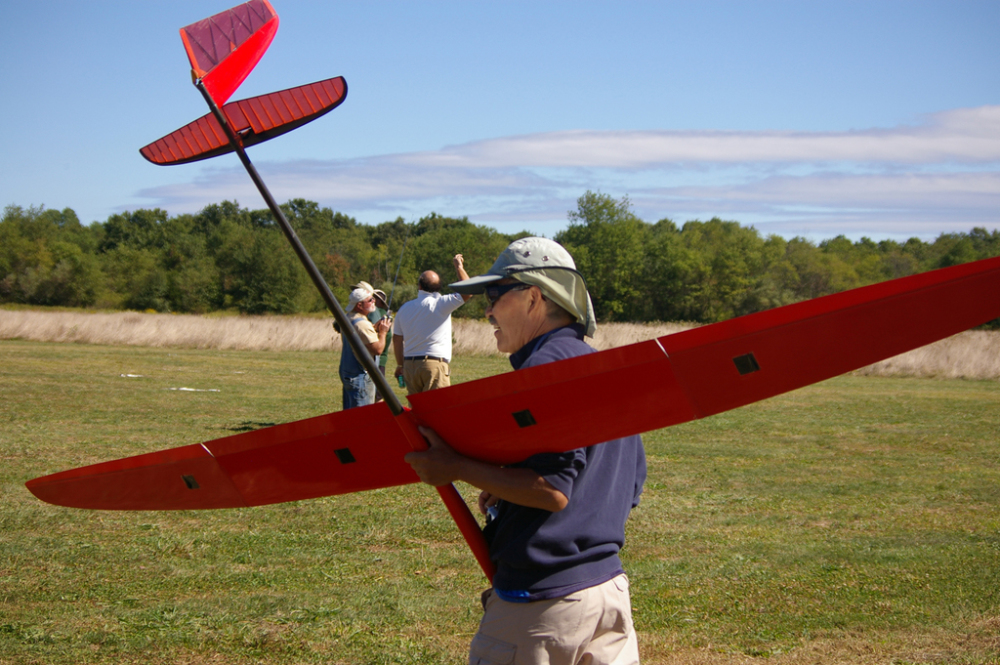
column 422, row 375
column 590, row 626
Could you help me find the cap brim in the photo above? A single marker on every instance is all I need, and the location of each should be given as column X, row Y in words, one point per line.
column 475, row 285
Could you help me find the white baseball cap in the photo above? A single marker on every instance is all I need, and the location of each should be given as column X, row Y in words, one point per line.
column 358, row 295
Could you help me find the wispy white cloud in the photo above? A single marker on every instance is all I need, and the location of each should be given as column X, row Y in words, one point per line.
column 941, row 174
column 963, row 135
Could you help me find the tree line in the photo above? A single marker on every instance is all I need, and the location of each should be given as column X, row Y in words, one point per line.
column 230, row 258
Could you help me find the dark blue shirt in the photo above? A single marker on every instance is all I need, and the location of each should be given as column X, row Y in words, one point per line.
column 541, row 554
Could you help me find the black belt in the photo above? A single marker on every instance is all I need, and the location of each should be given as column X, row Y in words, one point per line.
column 424, row 358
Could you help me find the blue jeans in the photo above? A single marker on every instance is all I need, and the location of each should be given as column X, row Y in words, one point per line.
column 358, row 391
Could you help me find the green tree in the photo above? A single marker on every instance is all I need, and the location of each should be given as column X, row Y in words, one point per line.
column 607, row 242
column 193, row 280
column 779, row 280
column 46, row 259
column 721, row 269
column 897, row 261
column 139, row 229
column 259, row 271
column 136, row 278
column 226, row 256
column 819, row 273
column 663, row 286
column 338, row 246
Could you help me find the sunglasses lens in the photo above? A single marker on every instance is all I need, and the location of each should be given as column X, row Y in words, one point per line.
column 494, row 293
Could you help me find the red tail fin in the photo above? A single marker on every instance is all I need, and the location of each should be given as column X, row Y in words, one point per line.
column 223, row 49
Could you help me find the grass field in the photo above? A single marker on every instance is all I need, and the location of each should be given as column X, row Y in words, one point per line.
column 856, row 521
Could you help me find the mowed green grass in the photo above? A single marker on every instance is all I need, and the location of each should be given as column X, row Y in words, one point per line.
column 853, row 521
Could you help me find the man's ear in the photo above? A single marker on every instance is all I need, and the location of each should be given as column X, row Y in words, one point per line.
column 536, row 299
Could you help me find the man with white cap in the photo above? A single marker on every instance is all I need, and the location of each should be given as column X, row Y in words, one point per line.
column 380, row 312
column 555, row 521
column 358, row 387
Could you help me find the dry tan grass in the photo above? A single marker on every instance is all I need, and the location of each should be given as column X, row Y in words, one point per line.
column 973, row 354
column 254, row 333
column 970, row 355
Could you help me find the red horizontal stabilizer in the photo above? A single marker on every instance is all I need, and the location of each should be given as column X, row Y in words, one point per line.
column 256, row 120
column 224, row 49
column 563, row 405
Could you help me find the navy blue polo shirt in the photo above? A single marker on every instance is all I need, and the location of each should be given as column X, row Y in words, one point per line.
column 541, row 554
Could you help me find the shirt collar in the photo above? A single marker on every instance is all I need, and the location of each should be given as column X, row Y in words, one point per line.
column 520, row 356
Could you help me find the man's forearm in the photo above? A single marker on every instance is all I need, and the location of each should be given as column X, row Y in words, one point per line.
column 440, row 465
column 462, row 276
column 376, row 348
column 397, row 349
column 521, row 486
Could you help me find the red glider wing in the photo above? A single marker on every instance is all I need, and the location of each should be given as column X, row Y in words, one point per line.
column 330, row 454
column 224, row 49
column 707, row 370
column 256, row 120
column 558, row 406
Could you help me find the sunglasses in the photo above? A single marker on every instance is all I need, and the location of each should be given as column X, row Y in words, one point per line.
column 494, row 292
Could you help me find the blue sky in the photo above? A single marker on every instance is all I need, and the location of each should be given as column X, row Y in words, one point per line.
column 874, row 118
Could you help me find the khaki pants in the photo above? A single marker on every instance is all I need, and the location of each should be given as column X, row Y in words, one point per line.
column 421, row 375
column 589, row 627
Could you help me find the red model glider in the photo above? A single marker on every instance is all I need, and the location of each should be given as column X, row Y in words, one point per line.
column 553, row 407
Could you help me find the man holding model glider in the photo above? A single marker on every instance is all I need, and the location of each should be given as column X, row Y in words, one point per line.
column 555, row 521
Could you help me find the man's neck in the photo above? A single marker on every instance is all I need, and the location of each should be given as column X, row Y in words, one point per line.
column 519, row 357
column 547, row 325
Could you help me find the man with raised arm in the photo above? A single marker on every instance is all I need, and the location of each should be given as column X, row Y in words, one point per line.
column 555, row 521
column 421, row 334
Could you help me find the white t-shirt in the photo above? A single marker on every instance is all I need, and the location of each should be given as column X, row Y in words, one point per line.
column 425, row 324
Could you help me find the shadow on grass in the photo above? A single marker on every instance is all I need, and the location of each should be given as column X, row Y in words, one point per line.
column 248, row 426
